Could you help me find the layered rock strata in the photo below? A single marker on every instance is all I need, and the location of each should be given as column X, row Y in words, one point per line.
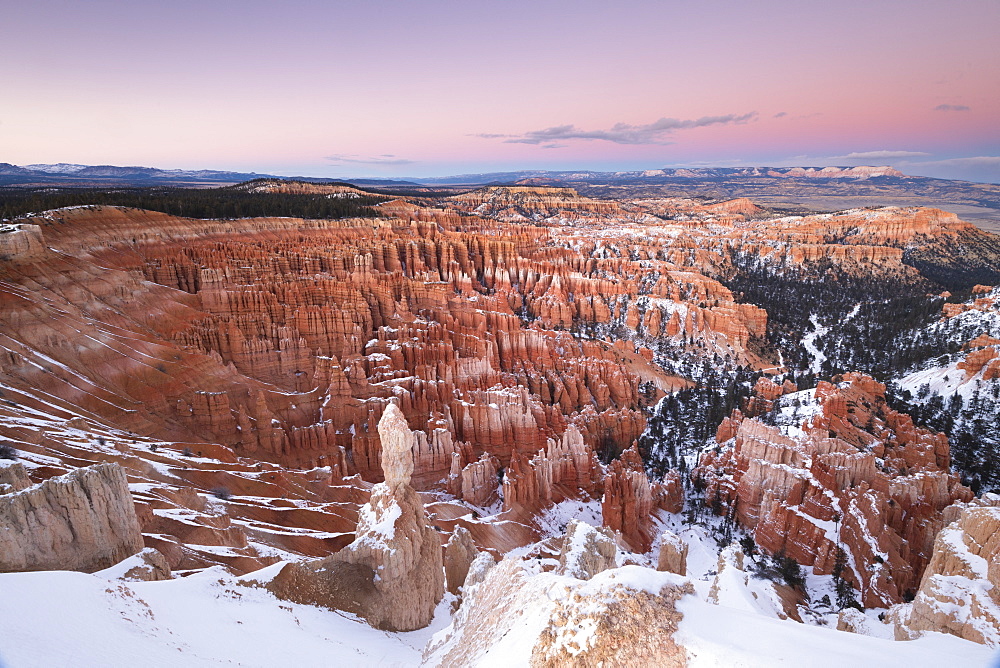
column 960, row 590
column 854, row 475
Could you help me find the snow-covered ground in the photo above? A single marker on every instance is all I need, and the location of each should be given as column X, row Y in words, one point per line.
column 211, row 618
column 820, row 330
column 724, row 637
column 809, row 343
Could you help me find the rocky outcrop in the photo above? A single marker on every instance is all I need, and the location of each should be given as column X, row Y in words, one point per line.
column 586, row 551
column 13, row 477
column 459, row 554
column 614, row 624
column 851, row 620
column 478, row 482
column 673, row 554
column 21, row 242
column 149, row 565
column 628, row 501
column 985, row 359
column 82, row 521
column 764, row 394
column 960, row 590
column 621, row 617
column 391, row 575
column 862, row 476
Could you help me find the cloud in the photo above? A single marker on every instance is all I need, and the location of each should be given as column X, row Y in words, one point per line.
column 879, row 155
column 952, row 107
column 780, row 114
column 619, row 133
column 384, row 159
column 981, row 161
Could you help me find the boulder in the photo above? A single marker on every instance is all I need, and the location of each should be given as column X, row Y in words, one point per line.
column 150, row 565
column 673, row 554
column 82, row 521
column 852, row 620
column 459, row 554
column 586, row 551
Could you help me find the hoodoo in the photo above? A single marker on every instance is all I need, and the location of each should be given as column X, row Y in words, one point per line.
column 391, row 575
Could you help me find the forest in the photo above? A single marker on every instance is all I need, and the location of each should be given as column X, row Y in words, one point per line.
column 228, row 202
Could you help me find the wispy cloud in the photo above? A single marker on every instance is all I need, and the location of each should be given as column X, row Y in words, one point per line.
column 619, row 133
column 780, row 114
column 384, row 159
column 879, row 155
column 952, row 107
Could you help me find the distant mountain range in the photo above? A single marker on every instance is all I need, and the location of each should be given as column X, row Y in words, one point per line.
column 651, row 175
column 791, row 189
column 68, row 174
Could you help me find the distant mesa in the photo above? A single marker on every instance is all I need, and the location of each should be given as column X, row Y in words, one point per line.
column 555, row 178
column 70, row 174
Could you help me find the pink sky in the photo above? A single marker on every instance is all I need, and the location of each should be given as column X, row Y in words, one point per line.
column 405, row 88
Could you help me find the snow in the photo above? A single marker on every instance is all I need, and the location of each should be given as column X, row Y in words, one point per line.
column 721, row 636
column 207, row 619
column 554, row 519
column 378, row 524
column 733, row 633
column 809, row 343
column 214, row 619
column 946, row 380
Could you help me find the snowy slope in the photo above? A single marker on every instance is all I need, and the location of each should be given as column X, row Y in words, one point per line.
column 212, row 618
column 724, row 637
column 63, row 618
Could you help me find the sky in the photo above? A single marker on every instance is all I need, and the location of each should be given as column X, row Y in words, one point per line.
column 404, row 88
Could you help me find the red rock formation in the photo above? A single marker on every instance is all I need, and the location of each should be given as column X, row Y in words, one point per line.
column 764, row 392
column 960, row 590
column 863, row 478
column 478, row 482
column 392, row 574
column 628, row 501
column 563, row 468
column 986, row 359
column 273, row 346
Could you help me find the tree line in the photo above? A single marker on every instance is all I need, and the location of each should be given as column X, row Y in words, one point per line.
column 228, row 202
